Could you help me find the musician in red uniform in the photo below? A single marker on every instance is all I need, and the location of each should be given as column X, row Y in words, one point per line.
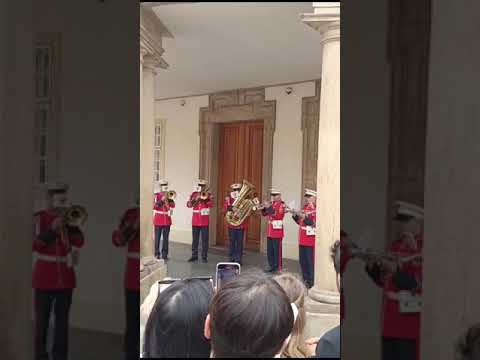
column 128, row 235
column 53, row 273
column 200, row 219
column 401, row 283
column 306, row 218
column 275, row 212
column 236, row 234
column 162, row 220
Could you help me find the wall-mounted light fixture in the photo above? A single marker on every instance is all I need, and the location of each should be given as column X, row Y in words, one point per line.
column 288, row 90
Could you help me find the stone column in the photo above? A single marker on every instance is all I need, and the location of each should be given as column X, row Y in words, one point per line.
column 16, row 167
column 451, row 291
column 324, row 296
column 147, row 117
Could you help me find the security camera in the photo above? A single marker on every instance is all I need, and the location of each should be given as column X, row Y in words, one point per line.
column 288, row 90
column 182, row 103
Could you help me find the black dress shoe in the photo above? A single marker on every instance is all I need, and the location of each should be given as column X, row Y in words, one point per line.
column 268, row 270
column 165, row 258
column 192, row 259
column 204, row 260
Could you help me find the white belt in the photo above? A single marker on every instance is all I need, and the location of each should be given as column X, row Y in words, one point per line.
column 305, row 228
column 160, row 212
column 50, row 258
column 133, row 255
column 196, row 211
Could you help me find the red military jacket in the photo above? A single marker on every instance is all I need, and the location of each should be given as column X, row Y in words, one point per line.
column 52, row 253
column 228, row 203
column 275, row 214
column 201, row 210
column 162, row 215
column 306, row 232
column 394, row 323
column 132, row 269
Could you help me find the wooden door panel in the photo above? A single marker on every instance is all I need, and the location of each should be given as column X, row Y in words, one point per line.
column 229, row 162
column 240, row 157
column 253, row 172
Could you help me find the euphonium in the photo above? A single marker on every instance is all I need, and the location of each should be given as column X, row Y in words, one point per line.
column 242, row 206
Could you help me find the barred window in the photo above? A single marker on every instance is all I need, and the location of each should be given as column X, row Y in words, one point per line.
column 158, row 150
column 46, row 100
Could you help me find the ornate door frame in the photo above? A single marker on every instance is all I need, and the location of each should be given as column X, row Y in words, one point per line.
column 234, row 106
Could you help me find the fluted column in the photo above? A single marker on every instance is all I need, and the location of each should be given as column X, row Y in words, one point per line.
column 147, row 125
column 324, row 296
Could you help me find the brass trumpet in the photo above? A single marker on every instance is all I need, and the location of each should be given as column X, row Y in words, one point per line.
column 75, row 215
column 204, row 194
column 171, row 195
column 294, row 212
column 371, row 255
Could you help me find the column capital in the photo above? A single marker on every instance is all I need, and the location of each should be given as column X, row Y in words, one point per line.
column 150, row 63
column 325, row 19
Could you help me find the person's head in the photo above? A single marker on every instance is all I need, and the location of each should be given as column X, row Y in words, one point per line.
column 296, row 292
column 468, row 347
column 336, row 259
column 249, row 317
column 202, row 184
column 275, row 195
column 57, row 194
column 310, row 196
column 175, row 325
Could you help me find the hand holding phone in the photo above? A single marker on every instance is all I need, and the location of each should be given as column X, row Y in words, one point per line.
column 226, row 271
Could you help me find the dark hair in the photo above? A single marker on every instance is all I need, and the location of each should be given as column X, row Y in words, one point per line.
column 334, row 256
column 250, row 317
column 175, row 327
column 468, row 345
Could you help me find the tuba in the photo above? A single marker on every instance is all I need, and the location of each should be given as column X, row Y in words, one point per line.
column 242, row 206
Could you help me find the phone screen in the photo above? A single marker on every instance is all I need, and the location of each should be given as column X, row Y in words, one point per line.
column 226, row 272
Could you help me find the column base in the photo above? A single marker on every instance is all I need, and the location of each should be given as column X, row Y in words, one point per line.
column 151, row 270
column 323, row 311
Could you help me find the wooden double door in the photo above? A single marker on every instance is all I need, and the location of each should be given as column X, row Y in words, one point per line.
column 240, row 157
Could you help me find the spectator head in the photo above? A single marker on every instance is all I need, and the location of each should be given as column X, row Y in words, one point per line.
column 468, row 347
column 296, row 292
column 249, row 317
column 175, row 325
column 335, row 256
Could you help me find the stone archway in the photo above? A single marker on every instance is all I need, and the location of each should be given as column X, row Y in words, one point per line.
column 231, row 106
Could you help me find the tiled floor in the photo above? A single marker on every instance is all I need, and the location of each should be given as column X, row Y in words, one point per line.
column 178, row 267
column 93, row 345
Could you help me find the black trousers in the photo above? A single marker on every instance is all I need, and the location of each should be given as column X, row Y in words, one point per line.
column 236, row 244
column 196, row 232
column 273, row 253
column 161, row 247
column 46, row 301
column 306, row 255
column 399, row 349
column 132, row 333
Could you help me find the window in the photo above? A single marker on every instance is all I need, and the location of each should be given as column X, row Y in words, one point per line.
column 159, row 150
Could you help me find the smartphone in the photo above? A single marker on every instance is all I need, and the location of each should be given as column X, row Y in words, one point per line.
column 225, row 272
